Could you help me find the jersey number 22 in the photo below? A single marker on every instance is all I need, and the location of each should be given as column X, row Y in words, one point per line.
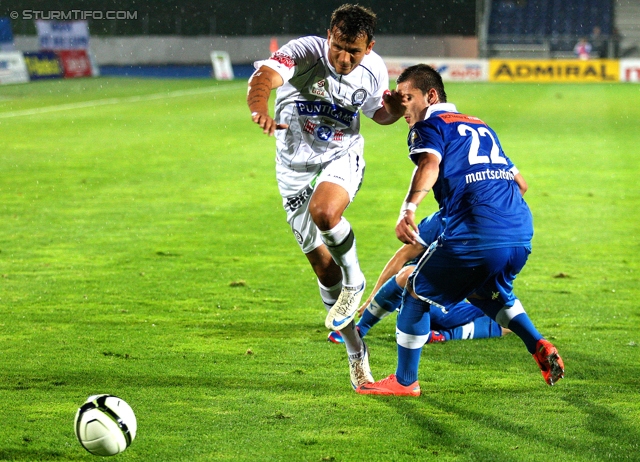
column 474, row 157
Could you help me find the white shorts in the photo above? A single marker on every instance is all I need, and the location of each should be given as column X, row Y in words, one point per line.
column 296, row 189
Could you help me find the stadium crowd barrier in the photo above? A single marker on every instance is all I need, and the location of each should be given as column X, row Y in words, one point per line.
column 523, row 70
column 19, row 67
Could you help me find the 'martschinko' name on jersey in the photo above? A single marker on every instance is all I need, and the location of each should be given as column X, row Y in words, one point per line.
column 320, row 106
column 480, row 200
column 489, row 175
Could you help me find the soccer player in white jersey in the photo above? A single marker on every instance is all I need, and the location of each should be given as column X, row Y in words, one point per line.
column 322, row 87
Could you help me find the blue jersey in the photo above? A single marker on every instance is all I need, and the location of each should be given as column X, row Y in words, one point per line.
column 476, row 191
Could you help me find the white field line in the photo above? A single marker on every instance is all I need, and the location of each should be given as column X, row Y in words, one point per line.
column 108, row 101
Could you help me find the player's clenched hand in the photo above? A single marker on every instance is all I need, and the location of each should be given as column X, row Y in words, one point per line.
column 268, row 125
column 406, row 228
column 392, row 101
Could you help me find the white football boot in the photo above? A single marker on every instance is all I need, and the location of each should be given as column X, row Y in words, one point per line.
column 359, row 368
column 345, row 308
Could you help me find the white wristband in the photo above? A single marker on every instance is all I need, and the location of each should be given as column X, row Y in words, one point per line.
column 408, row 206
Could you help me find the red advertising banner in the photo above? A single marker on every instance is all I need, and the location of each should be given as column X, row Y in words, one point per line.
column 630, row 70
column 75, row 63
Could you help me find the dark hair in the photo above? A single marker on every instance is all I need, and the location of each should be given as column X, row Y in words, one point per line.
column 354, row 21
column 424, row 78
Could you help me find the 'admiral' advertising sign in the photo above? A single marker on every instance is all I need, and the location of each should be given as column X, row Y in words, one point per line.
column 513, row 70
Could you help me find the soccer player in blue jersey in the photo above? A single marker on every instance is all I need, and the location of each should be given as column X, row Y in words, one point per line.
column 487, row 235
column 462, row 321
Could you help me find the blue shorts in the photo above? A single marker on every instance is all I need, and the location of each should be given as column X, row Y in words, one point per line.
column 444, row 277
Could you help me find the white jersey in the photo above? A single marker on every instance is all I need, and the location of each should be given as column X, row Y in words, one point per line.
column 320, row 106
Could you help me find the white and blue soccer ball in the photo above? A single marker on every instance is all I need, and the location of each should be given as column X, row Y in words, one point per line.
column 105, row 425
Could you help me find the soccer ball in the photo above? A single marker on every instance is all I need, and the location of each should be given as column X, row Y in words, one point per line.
column 105, row 425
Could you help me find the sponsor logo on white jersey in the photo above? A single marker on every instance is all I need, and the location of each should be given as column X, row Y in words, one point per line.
column 319, row 89
column 324, row 109
column 322, row 132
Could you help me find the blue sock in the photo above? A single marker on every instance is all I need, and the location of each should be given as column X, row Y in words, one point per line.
column 485, row 327
column 387, row 298
column 494, row 329
column 482, row 327
column 366, row 322
column 522, row 326
column 407, row 373
column 413, row 327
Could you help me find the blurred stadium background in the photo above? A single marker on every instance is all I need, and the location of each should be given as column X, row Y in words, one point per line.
column 175, row 38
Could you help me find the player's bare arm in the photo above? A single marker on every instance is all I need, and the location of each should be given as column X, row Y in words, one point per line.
column 395, row 264
column 391, row 110
column 424, row 177
column 261, row 83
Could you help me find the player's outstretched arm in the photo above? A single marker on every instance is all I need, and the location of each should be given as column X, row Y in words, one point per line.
column 391, row 110
column 395, row 264
column 261, row 83
column 423, row 179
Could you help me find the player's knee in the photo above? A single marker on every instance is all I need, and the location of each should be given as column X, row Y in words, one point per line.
column 507, row 313
column 325, row 215
column 403, row 275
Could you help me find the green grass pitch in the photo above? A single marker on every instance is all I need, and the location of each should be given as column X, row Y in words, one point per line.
column 144, row 253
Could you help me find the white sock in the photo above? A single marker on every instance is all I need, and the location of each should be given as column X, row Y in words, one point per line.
column 330, row 294
column 352, row 339
column 341, row 243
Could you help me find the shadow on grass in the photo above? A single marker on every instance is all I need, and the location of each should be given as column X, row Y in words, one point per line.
column 607, row 434
column 34, row 454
